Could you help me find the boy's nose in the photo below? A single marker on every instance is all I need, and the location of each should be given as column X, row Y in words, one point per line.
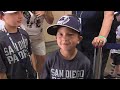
column 65, row 37
column 21, row 16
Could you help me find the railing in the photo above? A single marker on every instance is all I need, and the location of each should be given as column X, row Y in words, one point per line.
column 98, row 58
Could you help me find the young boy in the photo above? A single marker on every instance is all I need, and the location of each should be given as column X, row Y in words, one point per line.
column 67, row 62
column 15, row 49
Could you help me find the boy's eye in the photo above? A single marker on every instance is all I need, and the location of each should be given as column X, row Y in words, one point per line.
column 15, row 12
column 18, row 12
column 59, row 34
column 70, row 34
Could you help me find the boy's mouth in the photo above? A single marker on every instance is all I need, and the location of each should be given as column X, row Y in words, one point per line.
column 66, row 44
column 19, row 21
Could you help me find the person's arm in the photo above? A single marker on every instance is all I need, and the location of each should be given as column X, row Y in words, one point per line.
column 49, row 17
column 33, row 62
column 47, row 14
column 101, row 39
column 3, row 75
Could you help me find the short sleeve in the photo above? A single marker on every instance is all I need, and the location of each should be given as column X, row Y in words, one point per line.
column 29, row 46
column 46, row 69
column 2, row 65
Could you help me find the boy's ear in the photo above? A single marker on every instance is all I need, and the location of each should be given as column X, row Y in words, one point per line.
column 80, row 38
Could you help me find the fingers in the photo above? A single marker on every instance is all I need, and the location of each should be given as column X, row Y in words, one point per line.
column 98, row 42
column 101, row 43
column 39, row 13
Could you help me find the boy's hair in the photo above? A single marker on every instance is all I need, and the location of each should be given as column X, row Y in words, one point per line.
column 70, row 21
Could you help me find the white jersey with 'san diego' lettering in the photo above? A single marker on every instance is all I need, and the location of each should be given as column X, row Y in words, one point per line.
column 56, row 67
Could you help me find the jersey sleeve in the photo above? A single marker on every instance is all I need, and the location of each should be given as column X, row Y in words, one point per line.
column 29, row 42
column 46, row 69
column 29, row 46
column 2, row 65
column 88, row 69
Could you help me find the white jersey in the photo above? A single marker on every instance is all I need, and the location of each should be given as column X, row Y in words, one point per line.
column 32, row 24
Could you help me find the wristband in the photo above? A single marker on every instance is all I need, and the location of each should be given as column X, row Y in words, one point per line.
column 103, row 37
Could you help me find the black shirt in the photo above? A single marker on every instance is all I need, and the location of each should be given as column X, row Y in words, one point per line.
column 92, row 23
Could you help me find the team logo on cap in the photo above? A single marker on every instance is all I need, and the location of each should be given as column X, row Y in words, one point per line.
column 63, row 20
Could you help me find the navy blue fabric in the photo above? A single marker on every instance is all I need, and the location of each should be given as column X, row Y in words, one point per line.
column 56, row 67
column 91, row 26
column 67, row 21
column 10, row 63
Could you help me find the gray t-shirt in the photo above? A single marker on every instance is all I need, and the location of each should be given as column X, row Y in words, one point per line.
column 56, row 67
column 10, row 63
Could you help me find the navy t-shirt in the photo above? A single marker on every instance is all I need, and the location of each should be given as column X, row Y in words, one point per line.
column 91, row 25
column 10, row 62
column 56, row 67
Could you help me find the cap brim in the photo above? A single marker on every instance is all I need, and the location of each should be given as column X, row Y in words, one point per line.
column 52, row 30
column 9, row 12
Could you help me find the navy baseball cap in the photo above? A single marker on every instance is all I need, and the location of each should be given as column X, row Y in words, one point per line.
column 69, row 21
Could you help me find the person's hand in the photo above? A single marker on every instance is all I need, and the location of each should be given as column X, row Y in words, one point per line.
column 39, row 13
column 99, row 41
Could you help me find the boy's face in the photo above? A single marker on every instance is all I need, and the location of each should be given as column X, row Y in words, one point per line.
column 67, row 39
column 13, row 19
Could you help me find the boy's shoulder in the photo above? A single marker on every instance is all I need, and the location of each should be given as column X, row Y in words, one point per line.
column 23, row 31
column 53, row 54
column 51, row 57
column 83, row 57
column 2, row 34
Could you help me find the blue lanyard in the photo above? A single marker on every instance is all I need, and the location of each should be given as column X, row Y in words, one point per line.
column 11, row 40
